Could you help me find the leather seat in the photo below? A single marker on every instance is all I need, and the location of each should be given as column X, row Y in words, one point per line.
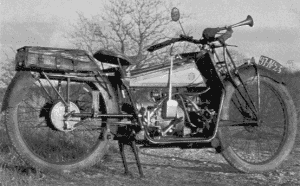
column 108, row 56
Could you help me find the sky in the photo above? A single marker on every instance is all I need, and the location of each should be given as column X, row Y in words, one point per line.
column 276, row 30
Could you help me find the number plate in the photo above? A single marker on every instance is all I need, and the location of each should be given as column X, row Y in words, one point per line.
column 270, row 64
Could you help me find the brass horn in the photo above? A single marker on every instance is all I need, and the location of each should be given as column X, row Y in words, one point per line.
column 247, row 21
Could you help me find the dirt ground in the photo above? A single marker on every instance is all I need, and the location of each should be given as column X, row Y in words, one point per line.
column 168, row 167
column 178, row 167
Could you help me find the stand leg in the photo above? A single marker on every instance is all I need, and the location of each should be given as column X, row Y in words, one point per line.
column 137, row 158
column 128, row 138
column 121, row 147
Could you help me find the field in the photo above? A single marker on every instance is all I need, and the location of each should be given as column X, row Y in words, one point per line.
column 161, row 166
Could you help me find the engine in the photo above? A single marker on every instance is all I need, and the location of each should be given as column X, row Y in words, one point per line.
column 150, row 103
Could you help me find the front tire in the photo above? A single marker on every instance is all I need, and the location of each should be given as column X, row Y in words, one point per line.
column 265, row 146
column 37, row 133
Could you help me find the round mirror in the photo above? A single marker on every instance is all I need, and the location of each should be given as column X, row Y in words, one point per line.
column 175, row 14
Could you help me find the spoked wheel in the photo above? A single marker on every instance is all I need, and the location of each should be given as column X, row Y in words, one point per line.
column 259, row 134
column 44, row 132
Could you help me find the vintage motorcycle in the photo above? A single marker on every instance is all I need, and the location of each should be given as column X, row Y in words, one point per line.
column 64, row 106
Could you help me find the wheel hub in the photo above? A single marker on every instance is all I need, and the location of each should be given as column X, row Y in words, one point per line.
column 61, row 119
column 254, row 128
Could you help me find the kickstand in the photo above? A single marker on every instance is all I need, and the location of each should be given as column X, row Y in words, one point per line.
column 131, row 142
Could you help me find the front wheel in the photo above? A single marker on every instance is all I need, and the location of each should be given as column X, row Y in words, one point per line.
column 265, row 129
column 42, row 134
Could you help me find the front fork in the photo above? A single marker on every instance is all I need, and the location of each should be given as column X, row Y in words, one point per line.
column 246, row 97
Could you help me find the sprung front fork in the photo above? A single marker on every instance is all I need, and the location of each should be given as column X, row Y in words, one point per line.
column 255, row 110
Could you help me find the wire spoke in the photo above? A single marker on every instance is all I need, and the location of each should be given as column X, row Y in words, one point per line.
column 49, row 141
column 259, row 142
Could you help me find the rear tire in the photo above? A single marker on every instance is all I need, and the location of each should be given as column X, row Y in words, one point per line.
column 263, row 147
column 44, row 144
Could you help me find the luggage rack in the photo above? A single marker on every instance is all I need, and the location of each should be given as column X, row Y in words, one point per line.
column 35, row 58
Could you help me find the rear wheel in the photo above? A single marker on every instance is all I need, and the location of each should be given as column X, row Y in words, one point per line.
column 41, row 133
column 269, row 125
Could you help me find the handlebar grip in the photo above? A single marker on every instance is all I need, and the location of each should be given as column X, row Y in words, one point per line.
column 222, row 38
column 210, row 33
column 163, row 44
column 186, row 38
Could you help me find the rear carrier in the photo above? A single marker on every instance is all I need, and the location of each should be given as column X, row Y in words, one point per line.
column 54, row 59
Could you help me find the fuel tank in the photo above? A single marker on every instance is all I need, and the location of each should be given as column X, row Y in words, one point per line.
column 185, row 74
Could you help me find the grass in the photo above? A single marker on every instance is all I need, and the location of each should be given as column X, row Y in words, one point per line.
column 13, row 171
column 13, row 177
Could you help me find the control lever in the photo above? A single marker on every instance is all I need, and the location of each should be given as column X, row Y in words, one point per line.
column 171, row 125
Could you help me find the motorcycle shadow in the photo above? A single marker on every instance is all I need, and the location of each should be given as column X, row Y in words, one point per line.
column 158, row 160
column 185, row 163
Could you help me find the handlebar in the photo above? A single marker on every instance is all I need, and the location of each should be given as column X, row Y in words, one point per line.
column 163, row 44
column 209, row 35
column 173, row 40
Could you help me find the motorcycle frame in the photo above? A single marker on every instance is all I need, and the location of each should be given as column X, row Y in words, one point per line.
column 122, row 85
column 231, row 75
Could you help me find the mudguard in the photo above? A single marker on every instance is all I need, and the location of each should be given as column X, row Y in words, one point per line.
column 20, row 79
column 263, row 71
column 23, row 80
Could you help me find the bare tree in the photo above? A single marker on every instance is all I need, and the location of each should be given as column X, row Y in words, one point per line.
column 8, row 71
column 128, row 27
